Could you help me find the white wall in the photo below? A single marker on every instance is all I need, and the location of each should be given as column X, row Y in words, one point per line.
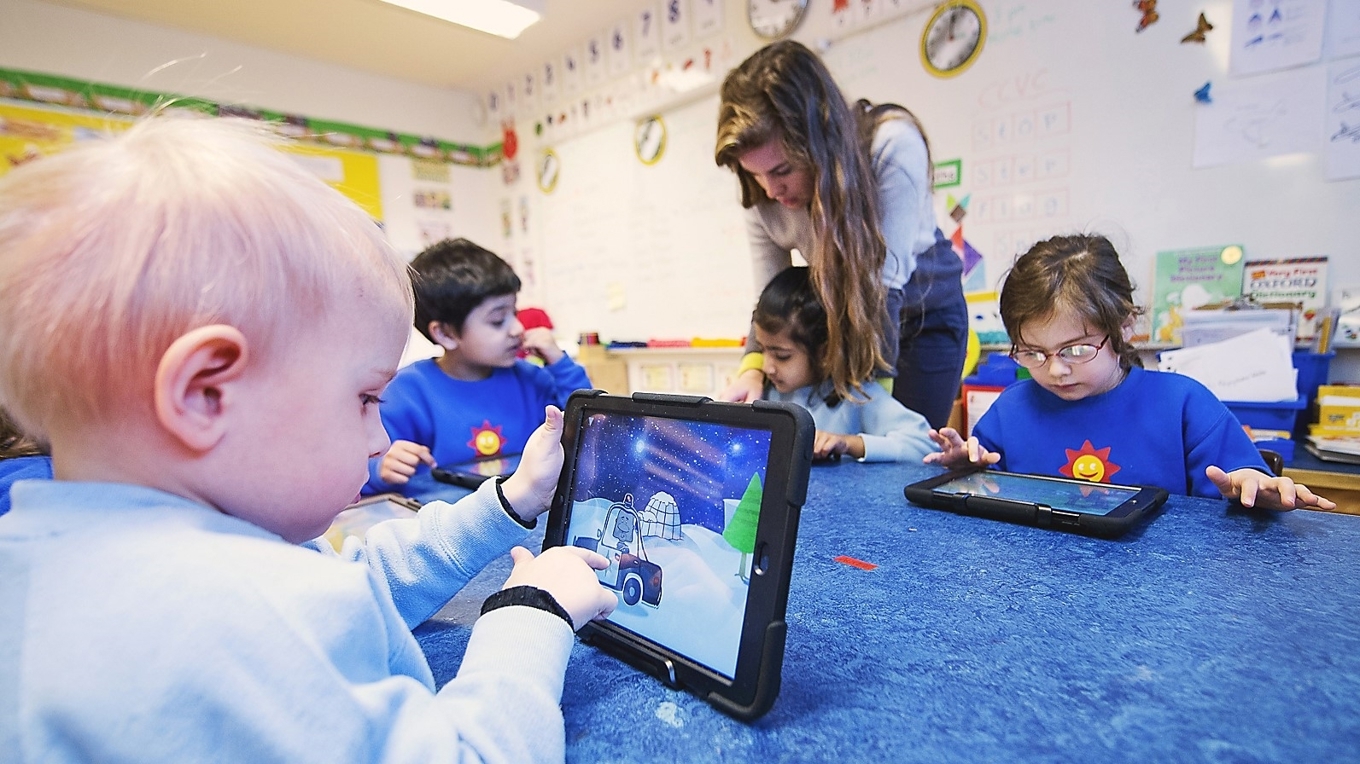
column 68, row 42
column 52, row 39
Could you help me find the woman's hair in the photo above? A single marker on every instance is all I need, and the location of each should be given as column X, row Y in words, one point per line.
column 1081, row 274
column 453, row 277
column 114, row 248
column 790, row 303
column 784, row 92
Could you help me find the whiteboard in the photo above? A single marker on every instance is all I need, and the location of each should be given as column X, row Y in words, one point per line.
column 1070, row 121
column 636, row 251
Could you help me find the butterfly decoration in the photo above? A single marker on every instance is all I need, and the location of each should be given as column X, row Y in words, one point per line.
column 1201, row 27
column 1149, row 10
column 1202, row 95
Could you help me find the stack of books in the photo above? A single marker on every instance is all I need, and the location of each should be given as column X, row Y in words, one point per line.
column 1336, row 436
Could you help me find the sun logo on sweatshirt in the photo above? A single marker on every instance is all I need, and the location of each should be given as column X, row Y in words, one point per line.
column 1089, row 463
column 486, row 440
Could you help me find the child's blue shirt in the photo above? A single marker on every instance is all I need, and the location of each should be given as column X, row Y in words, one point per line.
column 891, row 431
column 21, row 468
column 460, row 421
column 1154, row 428
column 137, row 625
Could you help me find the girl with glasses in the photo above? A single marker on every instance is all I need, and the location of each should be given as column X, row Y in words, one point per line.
column 1091, row 412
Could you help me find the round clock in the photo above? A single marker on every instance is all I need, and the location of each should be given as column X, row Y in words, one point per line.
column 953, row 37
column 649, row 140
column 548, row 167
column 773, row 19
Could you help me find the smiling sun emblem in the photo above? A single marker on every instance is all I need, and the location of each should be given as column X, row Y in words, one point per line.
column 1089, row 463
column 486, row 440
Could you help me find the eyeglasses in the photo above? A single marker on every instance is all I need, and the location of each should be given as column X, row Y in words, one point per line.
column 1083, row 353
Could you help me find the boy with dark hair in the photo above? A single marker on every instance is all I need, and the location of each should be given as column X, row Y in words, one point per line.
column 478, row 399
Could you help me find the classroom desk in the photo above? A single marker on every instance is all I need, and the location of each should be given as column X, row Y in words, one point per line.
column 1212, row 634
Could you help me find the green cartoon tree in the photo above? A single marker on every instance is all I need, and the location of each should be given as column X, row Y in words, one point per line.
column 741, row 532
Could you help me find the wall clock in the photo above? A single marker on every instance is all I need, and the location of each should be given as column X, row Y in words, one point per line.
column 649, row 140
column 953, row 37
column 548, row 167
column 773, row 19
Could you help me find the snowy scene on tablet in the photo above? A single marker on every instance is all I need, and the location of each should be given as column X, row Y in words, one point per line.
column 673, row 505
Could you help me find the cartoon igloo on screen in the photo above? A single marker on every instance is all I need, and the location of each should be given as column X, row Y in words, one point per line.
column 661, row 517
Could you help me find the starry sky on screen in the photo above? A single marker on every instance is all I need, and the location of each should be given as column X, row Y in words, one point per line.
column 698, row 463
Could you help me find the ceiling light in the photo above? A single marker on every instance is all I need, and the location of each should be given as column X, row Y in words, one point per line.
column 499, row 17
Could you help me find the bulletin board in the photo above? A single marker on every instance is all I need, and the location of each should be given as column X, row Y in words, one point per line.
column 1069, row 120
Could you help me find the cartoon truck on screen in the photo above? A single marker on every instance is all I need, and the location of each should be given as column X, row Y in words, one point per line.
column 620, row 540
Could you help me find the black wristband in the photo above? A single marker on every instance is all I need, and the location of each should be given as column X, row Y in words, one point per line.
column 528, row 596
column 505, row 505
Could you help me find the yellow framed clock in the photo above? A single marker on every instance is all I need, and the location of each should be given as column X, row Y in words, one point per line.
column 649, row 140
column 953, row 37
column 547, row 170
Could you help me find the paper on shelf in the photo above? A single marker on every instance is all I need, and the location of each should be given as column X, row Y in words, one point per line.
column 1256, row 366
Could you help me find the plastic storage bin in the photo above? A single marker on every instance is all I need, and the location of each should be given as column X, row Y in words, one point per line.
column 1272, row 415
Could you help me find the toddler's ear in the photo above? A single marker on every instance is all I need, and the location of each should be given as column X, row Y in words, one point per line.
column 192, row 382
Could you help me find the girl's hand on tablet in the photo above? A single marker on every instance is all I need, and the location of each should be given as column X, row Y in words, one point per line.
column 829, row 445
column 1253, row 488
column 957, row 452
column 568, row 574
column 530, row 490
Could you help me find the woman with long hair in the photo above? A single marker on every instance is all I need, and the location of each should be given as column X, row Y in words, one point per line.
column 849, row 187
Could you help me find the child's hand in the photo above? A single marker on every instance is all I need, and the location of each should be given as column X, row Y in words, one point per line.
column 826, row 445
column 530, row 490
column 957, row 452
column 567, row 573
column 747, row 387
column 1253, row 488
column 401, row 460
column 540, row 342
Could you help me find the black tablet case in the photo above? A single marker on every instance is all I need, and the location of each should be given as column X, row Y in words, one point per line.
column 924, row 493
column 776, row 538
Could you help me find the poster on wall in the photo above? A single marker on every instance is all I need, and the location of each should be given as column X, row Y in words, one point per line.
column 1268, row 35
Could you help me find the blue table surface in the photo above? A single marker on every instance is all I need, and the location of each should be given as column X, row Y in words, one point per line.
column 1210, row 634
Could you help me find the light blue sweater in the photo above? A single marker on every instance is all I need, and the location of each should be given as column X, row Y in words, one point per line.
column 891, row 432
column 136, row 625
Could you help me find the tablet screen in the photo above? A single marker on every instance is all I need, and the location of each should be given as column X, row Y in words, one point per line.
column 1073, row 496
column 492, row 467
column 673, row 505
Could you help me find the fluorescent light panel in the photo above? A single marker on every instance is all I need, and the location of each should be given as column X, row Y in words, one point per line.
column 499, row 17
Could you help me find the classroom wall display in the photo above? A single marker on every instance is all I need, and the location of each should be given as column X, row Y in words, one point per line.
column 410, row 185
column 1074, row 121
column 1071, row 121
column 39, row 88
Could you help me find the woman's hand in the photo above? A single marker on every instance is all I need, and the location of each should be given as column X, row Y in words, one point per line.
column 1253, row 488
column 747, row 387
column 530, row 490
